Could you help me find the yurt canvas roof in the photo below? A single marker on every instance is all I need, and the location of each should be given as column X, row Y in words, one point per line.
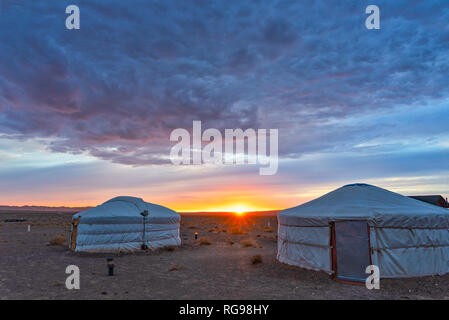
column 366, row 202
column 125, row 206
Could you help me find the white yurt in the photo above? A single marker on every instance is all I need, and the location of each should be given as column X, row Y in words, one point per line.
column 359, row 225
column 124, row 224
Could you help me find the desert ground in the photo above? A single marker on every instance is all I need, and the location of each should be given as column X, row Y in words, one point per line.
column 234, row 258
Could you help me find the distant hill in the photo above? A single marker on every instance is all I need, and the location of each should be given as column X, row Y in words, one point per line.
column 41, row 209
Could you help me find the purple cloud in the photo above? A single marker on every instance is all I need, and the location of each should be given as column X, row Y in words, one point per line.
column 118, row 86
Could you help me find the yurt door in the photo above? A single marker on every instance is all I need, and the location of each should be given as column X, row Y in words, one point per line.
column 352, row 250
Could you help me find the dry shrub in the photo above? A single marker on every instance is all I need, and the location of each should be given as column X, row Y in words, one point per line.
column 59, row 240
column 191, row 227
column 204, row 241
column 268, row 229
column 5, row 241
column 249, row 243
column 236, row 230
column 230, row 243
column 256, row 259
column 175, row 268
column 216, row 230
column 170, row 248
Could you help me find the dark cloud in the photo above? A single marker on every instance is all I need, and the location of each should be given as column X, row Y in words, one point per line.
column 135, row 71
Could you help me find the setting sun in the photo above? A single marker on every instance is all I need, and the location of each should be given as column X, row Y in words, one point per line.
column 239, row 209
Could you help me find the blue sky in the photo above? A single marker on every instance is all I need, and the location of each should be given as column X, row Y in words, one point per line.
column 86, row 114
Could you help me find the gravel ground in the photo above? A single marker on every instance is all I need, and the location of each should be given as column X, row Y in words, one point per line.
column 223, row 269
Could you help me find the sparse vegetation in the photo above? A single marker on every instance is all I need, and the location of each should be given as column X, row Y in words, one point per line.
column 204, row 241
column 175, row 268
column 59, row 240
column 225, row 255
column 249, row 243
column 216, row 229
column 236, row 230
column 256, row 259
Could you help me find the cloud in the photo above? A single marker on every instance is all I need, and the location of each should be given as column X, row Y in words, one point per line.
column 117, row 87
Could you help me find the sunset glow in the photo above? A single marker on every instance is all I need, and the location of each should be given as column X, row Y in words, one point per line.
column 84, row 119
column 240, row 209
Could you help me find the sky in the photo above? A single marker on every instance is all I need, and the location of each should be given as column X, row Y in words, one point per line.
column 86, row 115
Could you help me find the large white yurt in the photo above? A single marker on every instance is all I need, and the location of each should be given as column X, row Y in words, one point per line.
column 359, row 225
column 124, row 224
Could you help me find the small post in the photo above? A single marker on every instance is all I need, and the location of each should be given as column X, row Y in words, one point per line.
column 110, row 266
column 29, row 228
column 144, row 214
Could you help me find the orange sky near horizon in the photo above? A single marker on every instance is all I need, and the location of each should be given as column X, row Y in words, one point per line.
column 52, row 179
column 229, row 198
column 211, row 202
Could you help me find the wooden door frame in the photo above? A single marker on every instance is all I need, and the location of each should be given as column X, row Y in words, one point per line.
column 334, row 253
